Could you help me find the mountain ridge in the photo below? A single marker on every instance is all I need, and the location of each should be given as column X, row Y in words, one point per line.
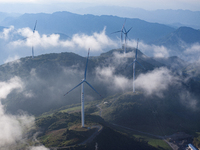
column 63, row 21
column 54, row 73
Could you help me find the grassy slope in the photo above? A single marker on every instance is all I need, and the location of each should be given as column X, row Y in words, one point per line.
column 62, row 129
column 196, row 140
column 153, row 115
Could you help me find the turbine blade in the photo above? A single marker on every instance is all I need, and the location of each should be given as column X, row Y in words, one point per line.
column 130, row 64
column 116, row 32
column 140, row 64
column 129, row 30
column 93, row 88
column 121, row 36
column 25, row 38
column 33, row 31
column 73, row 88
column 35, row 27
column 124, row 24
column 86, row 64
column 125, row 30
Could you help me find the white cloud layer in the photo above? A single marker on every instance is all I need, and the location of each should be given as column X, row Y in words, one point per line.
column 6, row 33
column 12, row 84
column 97, row 41
column 38, row 148
column 194, row 49
column 14, row 59
column 114, row 82
column 14, row 127
column 19, row 42
column 188, row 100
column 156, row 81
column 151, row 50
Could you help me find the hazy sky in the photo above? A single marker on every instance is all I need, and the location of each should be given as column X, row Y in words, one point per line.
column 22, row 6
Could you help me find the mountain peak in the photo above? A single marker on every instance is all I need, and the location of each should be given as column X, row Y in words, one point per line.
column 188, row 35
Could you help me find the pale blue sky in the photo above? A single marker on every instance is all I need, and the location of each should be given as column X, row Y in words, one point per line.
column 49, row 6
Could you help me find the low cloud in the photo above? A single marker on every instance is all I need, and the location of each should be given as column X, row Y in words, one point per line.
column 38, row 148
column 14, row 83
column 151, row 50
column 114, row 82
column 18, row 42
column 188, row 100
column 156, row 81
column 7, row 33
column 192, row 53
column 13, row 128
column 14, row 59
column 96, row 41
column 194, row 49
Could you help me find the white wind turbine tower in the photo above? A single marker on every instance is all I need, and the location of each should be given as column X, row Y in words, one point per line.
column 134, row 61
column 82, row 92
column 32, row 35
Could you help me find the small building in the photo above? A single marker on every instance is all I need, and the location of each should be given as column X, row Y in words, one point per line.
column 191, row 147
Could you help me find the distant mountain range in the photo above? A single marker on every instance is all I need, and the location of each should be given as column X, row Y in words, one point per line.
column 7, row 15
column 175, row 18
column 182, row 34
column 180, row 39
column 67, row 24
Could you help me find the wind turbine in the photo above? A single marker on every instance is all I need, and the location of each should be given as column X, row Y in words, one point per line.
column 121, row 31
column 82, row 92
column 33, row 34
column 134, row 61
column 126, row 35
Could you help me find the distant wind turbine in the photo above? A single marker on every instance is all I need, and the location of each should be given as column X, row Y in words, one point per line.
column 134, row 61
column 82, row 92
column 33, row 34
column 126, row 35
column 121, row 31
